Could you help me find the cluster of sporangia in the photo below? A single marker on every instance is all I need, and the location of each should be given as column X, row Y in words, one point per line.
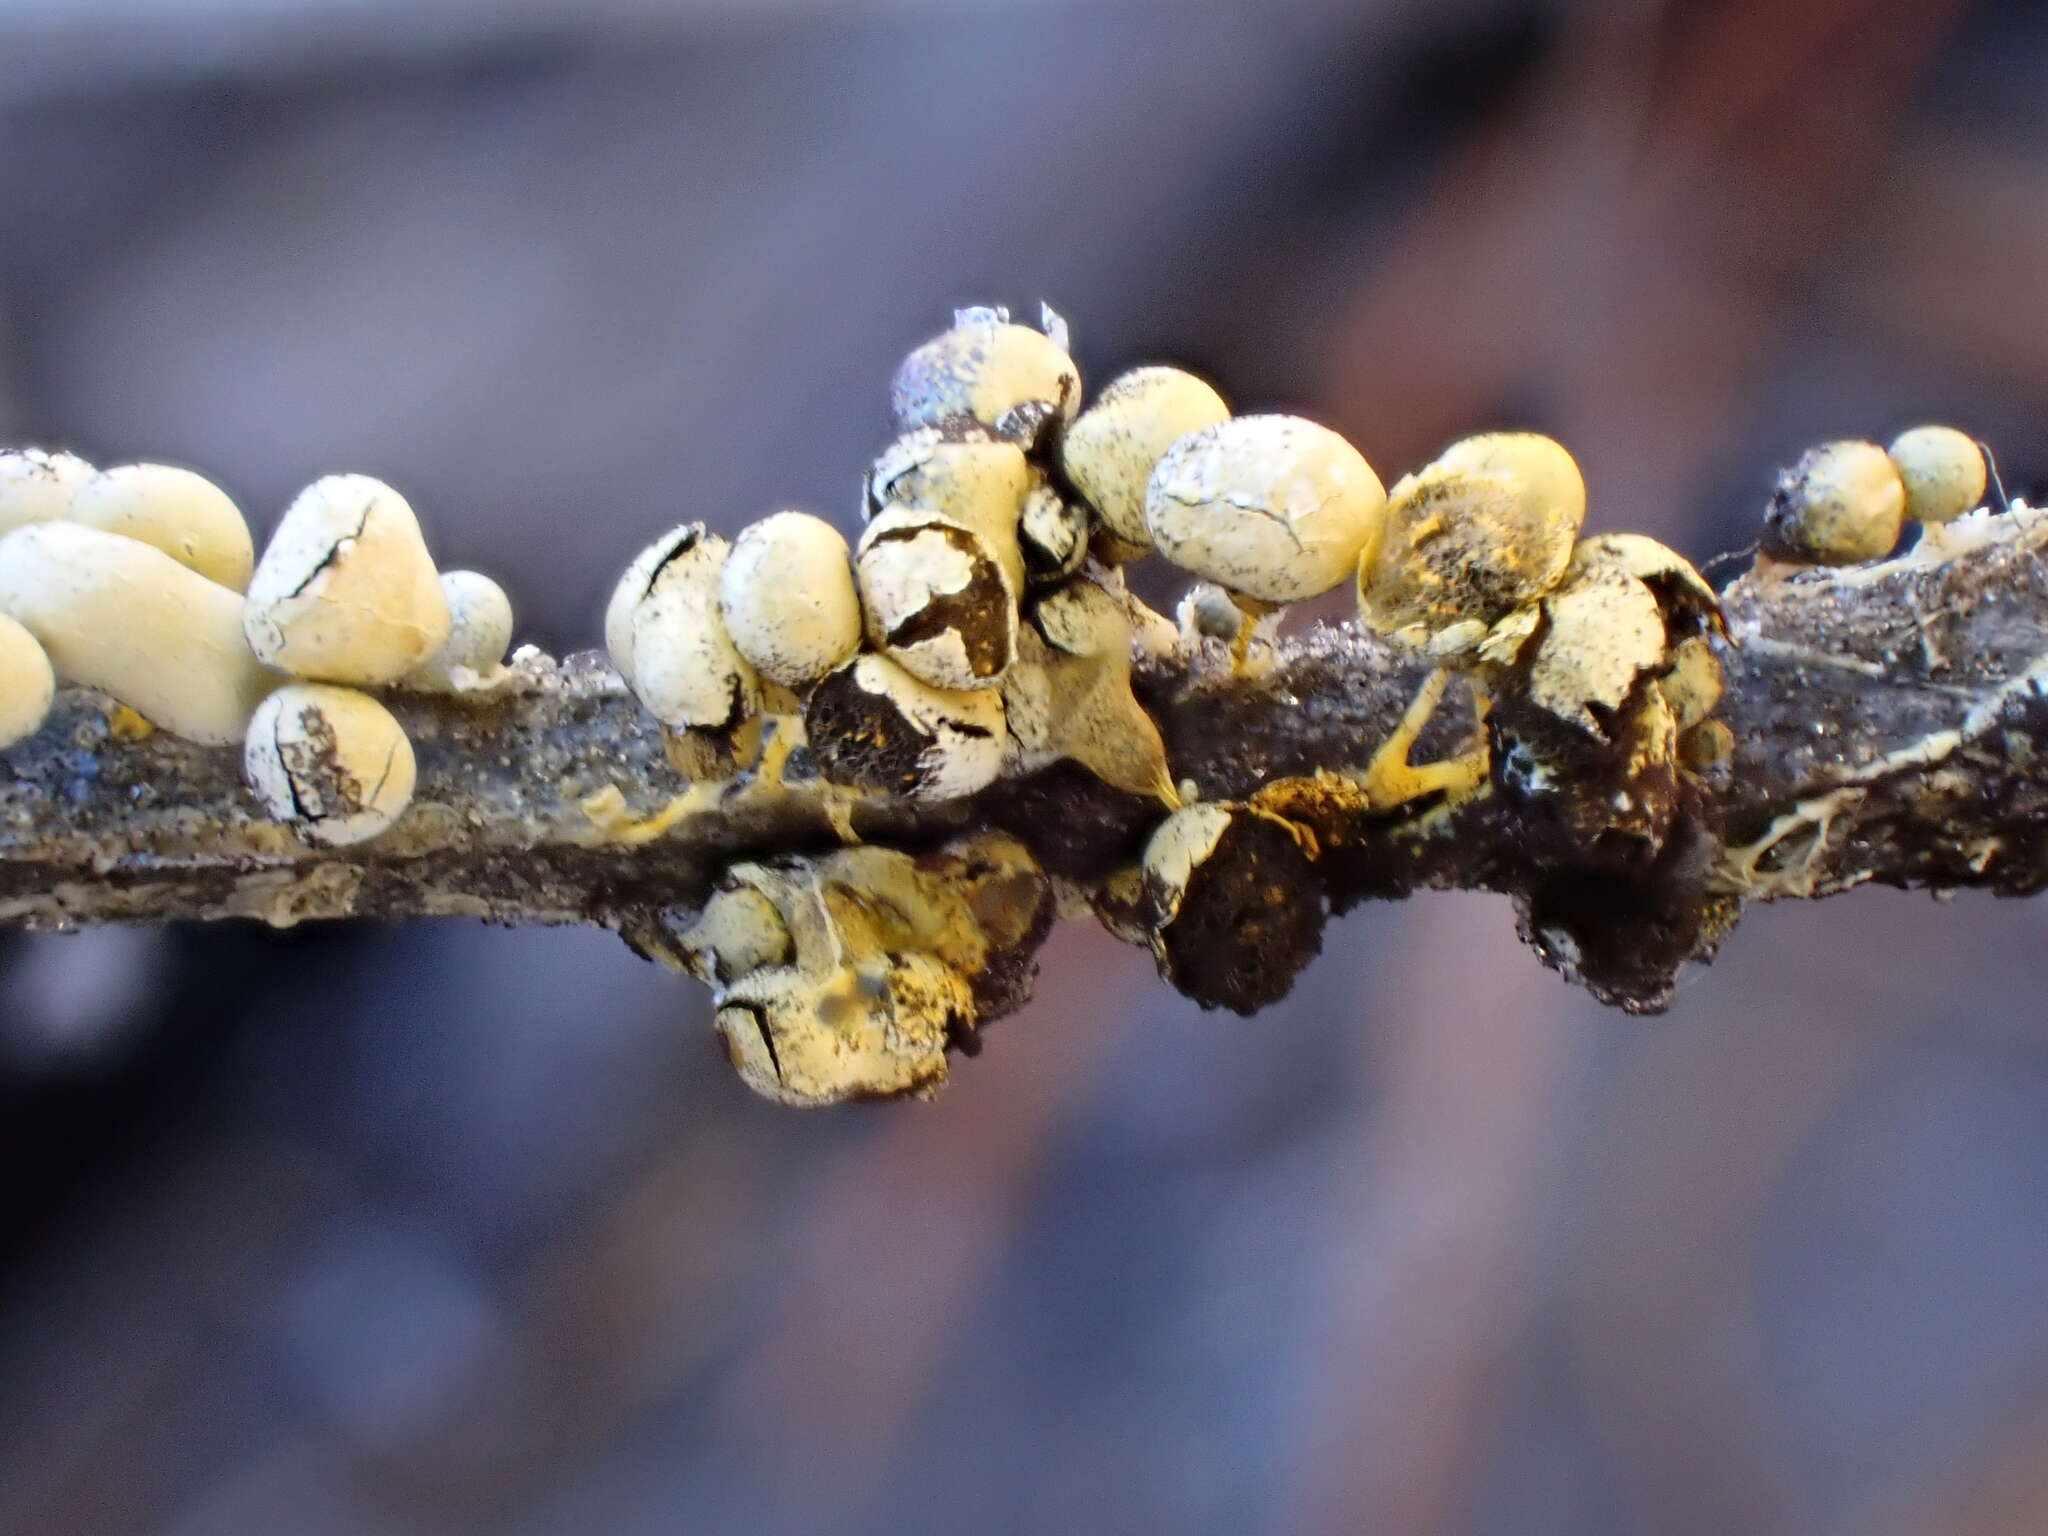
column 980, row 627
column 142, row 582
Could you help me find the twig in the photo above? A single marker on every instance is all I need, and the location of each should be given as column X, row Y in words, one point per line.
column 1889, row 721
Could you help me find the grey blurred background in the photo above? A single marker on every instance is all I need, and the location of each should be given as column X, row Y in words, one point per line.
column 449, row 1229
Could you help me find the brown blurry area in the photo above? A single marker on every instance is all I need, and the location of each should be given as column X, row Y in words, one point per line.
column 459, row 1230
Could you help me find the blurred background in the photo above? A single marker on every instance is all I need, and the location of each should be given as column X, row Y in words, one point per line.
column 449, row 1229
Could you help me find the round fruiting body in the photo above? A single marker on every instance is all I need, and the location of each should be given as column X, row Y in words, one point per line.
column 127, row 619
column 1479, row 533
column 1236, row 909
column 668, row 641
column 479, row 630
column 1603, row 631
column 738, row 932
column 185, row 515
column 872, row 725
column 346, row 591
column 965, row 471
column 1841, row 504
column 1010, row 378
column 1111, row 449
column 332, row 763
column 1942, row 470
column 38, row 487
column 937, row 598
column 876, row 1031
column 1691, row 605
column 1274, row 508
column 958, row 467
column 787, row 597
column 27, row 684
